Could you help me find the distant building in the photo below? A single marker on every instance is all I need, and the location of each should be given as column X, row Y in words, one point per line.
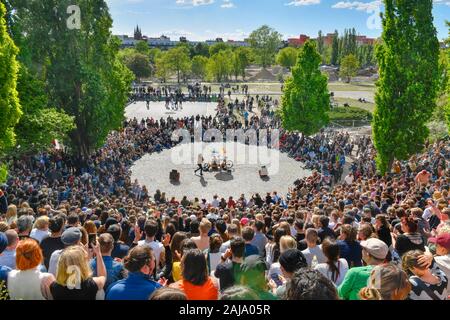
column 298, row 42
column 165, row 42
column 137, row 33
column 162, row 42
column 362, row 40
column 238, row 43
column 127, row 41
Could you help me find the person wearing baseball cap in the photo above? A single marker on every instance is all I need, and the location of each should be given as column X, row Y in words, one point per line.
column 374, row 253
column 443, row 253
column 70, row 237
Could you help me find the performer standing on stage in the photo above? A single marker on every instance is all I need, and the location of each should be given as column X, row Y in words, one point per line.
column 200, row 161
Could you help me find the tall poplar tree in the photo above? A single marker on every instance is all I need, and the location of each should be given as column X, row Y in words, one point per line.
column 409, row 79
column 306, row 99
column 10, row 110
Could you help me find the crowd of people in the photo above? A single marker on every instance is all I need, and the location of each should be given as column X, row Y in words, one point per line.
column 73, row 229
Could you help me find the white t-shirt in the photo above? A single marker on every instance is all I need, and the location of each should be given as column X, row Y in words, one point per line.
column 157, row 248
column 53, row 264
column 324, row 269
column 309, row 254
column 26, row 285
column 39, row 235
column 215, row 203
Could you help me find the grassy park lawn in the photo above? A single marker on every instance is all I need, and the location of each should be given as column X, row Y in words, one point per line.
column 355, row 103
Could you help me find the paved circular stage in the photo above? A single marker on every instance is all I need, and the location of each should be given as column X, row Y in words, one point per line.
column 153, row 170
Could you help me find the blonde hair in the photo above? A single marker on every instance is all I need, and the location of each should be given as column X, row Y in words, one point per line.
column 205, row 226
column 286, row 243
column 11, row 211
column 260, row 217
column 384, row 280
column 73, row 262
column 41, row 222
column 287, row 228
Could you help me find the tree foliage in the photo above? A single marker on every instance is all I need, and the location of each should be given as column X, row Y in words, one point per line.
column 199, row 67
column 80, row 67
column 137, row 62
column 265, row 42
column 287, row 57
column 409, row 78
column 220, row 66
column 178, row 61
column 10, row 109
column 349, row 67
column 306, row 99
column 335, row 49
column 40, row 124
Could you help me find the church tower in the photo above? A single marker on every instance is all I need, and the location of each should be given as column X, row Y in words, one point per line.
column 137, row 33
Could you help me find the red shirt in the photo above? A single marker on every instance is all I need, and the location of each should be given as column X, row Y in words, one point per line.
column 206, row 291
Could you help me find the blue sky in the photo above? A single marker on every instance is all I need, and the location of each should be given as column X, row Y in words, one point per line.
column 236, row 19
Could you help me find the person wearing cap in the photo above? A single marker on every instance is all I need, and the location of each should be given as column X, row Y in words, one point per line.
column 290, row 261
column 4, row 270
column 70, row 237
column 374, row 252
column 442, row 257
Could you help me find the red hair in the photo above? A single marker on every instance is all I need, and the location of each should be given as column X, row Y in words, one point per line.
column 28, row 254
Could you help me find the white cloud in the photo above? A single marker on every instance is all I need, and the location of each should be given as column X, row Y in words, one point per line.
column 370, row 6
column 227, row 4
column 357, row 5
column 298, row 3
column 194, row 3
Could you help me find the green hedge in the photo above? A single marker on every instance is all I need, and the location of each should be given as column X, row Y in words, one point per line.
column 349, row 113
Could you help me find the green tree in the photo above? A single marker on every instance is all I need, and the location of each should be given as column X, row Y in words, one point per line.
column 306, row 99
column 287, row 57
column 335, row 49
column 143, row 48
column 265, row 42
column 445, row 71
column 178, row 60
column 349, row 67
column 162, row 64
column 137, row 62
column 219, row 66
column 199, row 66
column 200, row 49
column 216, row 48
column 40, row 124
column 409, row 79
column 10, row 110
column 244, row 56
column 153, row 53
column 80, row 66
column 321, row 45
